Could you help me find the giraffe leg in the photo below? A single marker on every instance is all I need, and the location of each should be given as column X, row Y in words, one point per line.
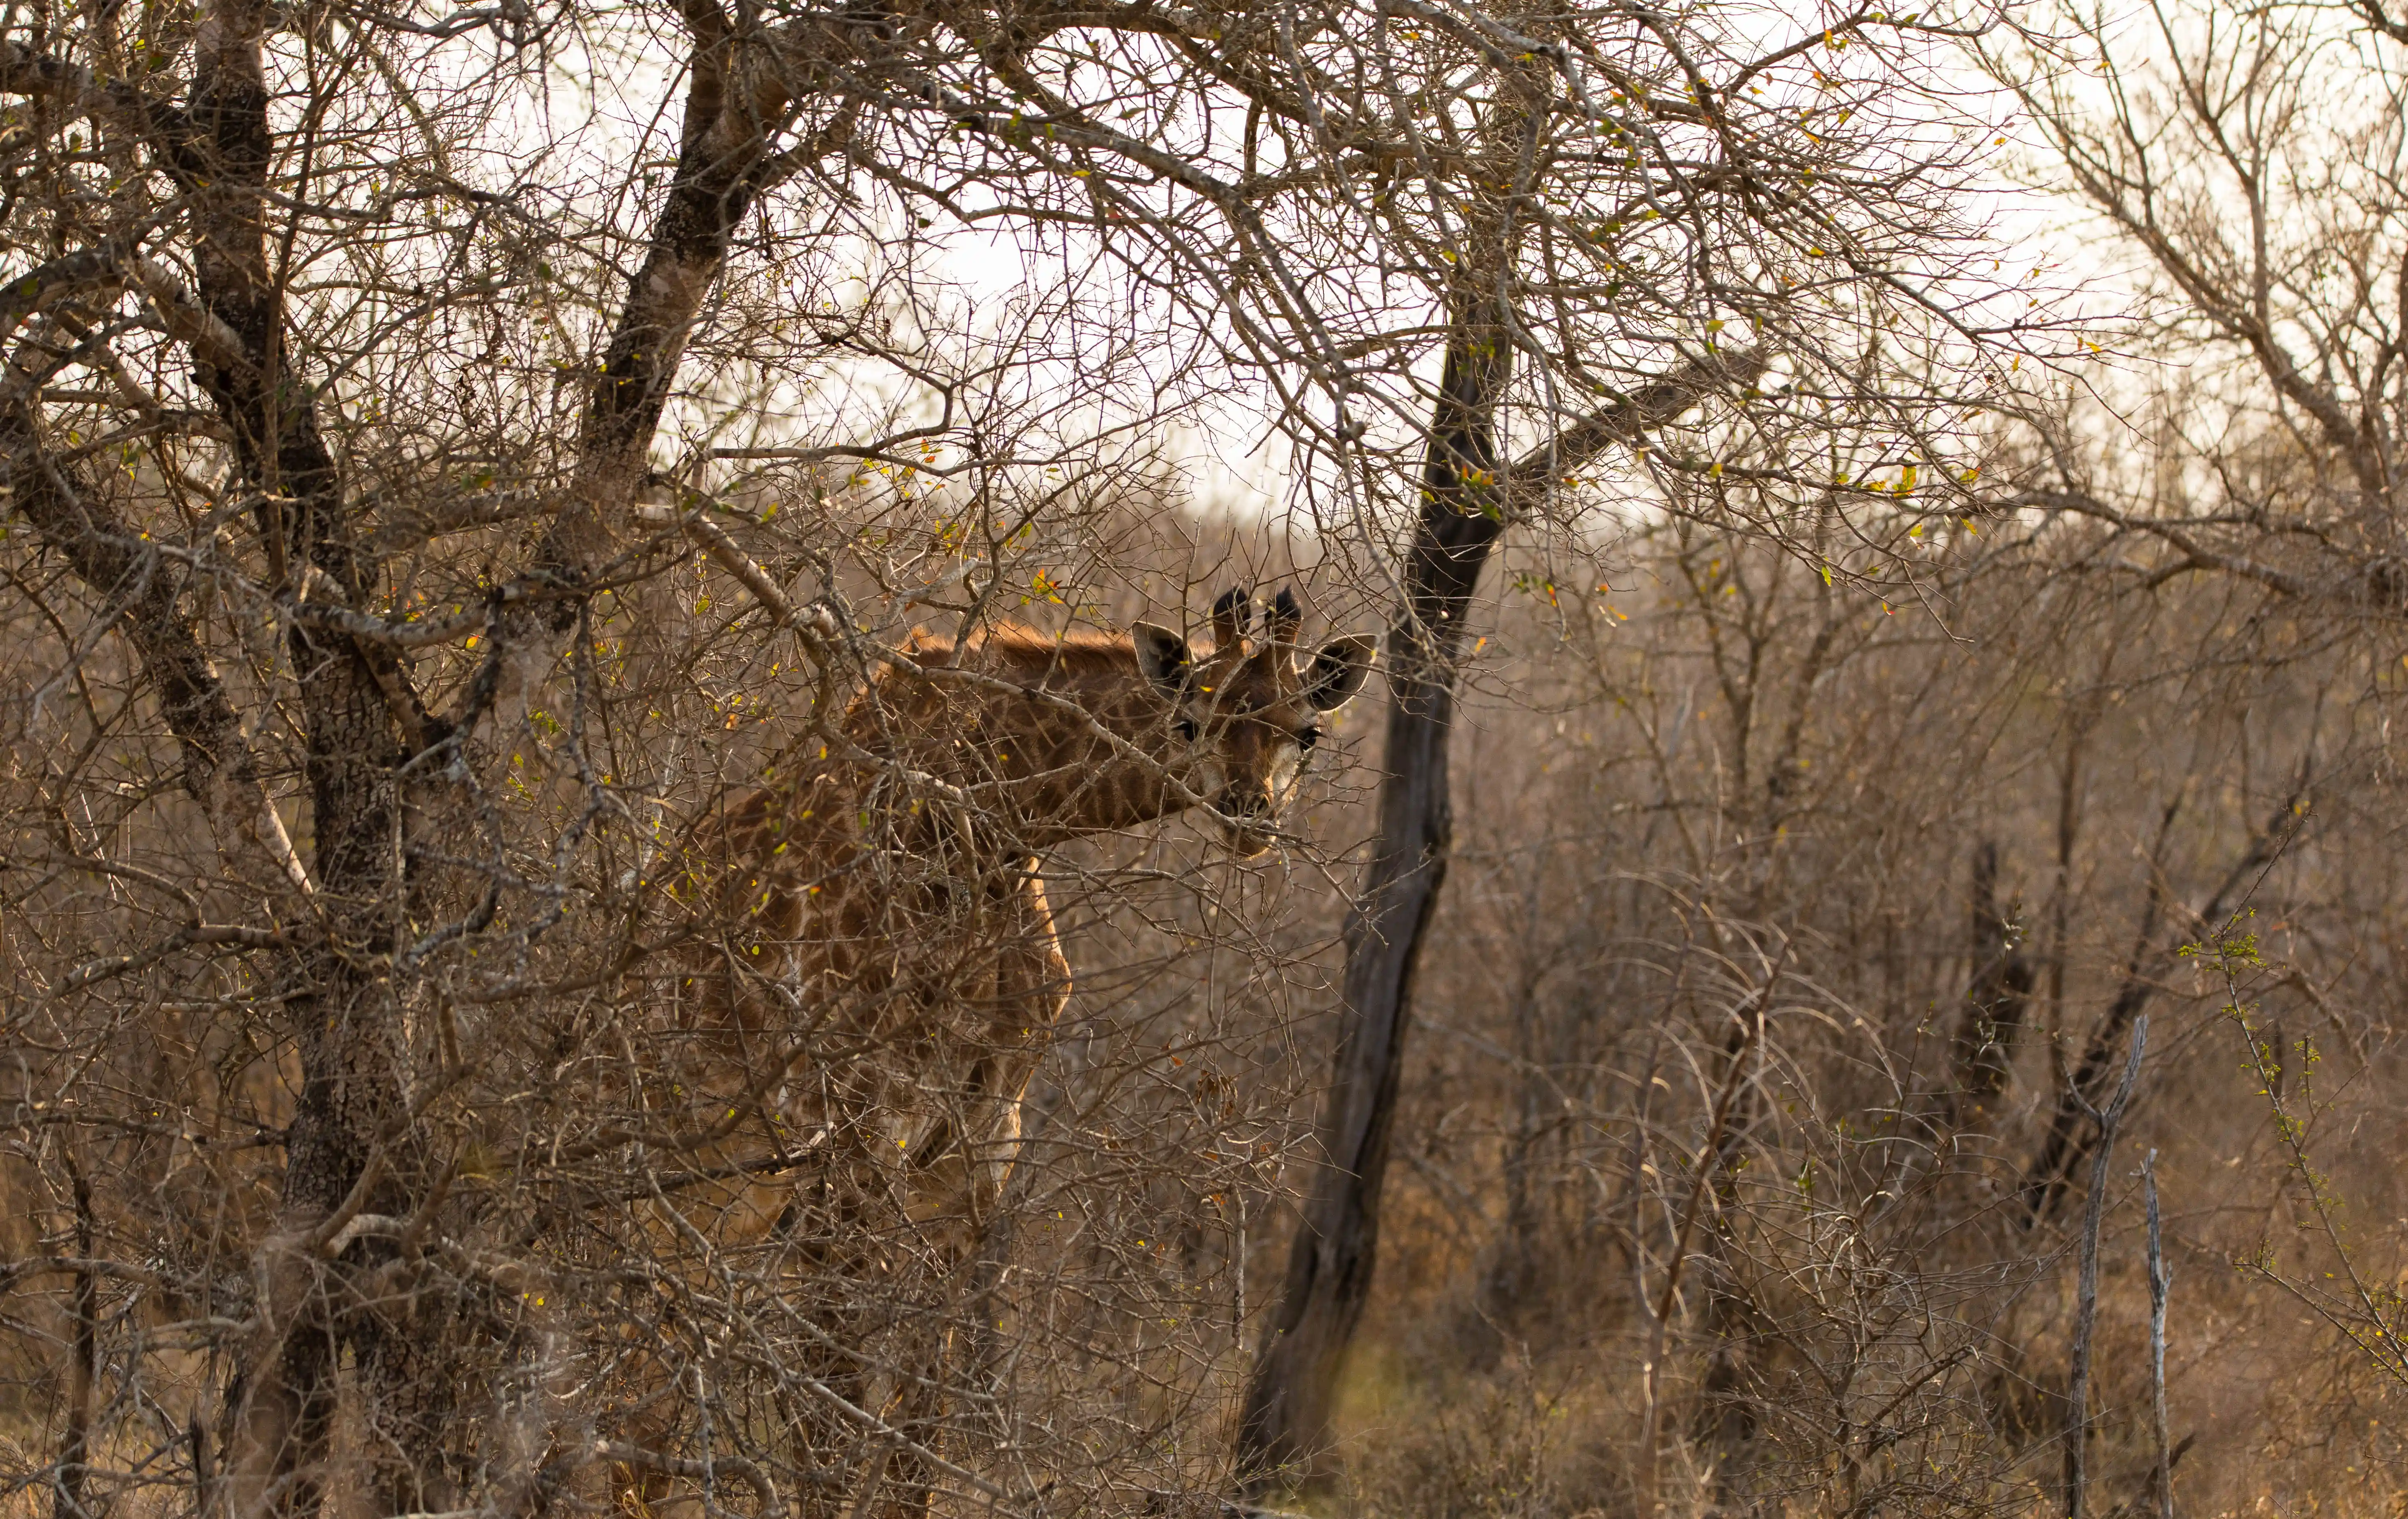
column 942, row 1190
column 894, row 1480
column 1032, row 987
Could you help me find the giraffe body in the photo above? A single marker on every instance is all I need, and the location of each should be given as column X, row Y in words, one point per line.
column 884, row 972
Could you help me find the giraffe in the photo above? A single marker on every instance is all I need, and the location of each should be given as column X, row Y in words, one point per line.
column 883, row 969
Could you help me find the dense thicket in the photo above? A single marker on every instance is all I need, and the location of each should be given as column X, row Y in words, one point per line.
column 520, row 982
column 454, row 458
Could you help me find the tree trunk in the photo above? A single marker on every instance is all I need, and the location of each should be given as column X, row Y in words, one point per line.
column 351, row 1147
column 1466, row 504
column 1329, row 1266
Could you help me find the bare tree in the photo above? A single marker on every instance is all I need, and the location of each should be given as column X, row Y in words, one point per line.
column 1506, row 295
column 2243, row 157
column 463, row 457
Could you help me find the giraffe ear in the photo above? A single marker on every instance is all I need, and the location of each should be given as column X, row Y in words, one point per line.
column 1339, row 671
column 1162, row 657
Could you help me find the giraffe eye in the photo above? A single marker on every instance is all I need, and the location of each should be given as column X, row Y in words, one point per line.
column 1185, row 728
column 1306, row 740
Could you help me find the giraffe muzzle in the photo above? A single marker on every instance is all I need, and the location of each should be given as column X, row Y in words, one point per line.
column 1248, row 829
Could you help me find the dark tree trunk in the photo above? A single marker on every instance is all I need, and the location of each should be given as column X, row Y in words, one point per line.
column 359, row 717
column 350, row 1145
column 1329, row 1266
column 1466, row 503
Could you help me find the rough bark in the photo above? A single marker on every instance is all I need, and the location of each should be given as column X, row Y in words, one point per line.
column 360, row 719
column 350, row 1147
column 1465, row 508
column 1329, row 1267
column 736, row 99
column 142, row 589
column 68, row 1493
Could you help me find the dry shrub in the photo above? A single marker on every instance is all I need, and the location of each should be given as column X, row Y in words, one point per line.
column 1757, row 781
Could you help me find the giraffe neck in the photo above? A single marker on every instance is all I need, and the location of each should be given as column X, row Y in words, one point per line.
column 1026, row 744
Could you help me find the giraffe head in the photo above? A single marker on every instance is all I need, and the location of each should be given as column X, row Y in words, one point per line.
column 1239, row 721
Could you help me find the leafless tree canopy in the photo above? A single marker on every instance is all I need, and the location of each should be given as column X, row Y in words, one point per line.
column 690, row 823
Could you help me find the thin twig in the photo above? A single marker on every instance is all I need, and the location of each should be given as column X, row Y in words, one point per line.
column 2160, row 1280
column 2085, row 1312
